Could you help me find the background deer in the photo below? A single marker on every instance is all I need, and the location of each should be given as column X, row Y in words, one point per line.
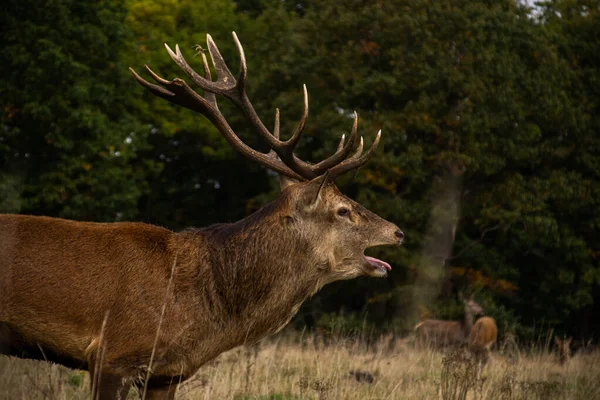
column 443, row 333
column 564, row 349
column 140, row 305
column 479, row 336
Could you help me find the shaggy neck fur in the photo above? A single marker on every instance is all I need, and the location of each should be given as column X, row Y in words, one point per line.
column 256, row 273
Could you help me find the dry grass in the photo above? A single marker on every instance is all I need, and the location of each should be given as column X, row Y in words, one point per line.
column 285, row 368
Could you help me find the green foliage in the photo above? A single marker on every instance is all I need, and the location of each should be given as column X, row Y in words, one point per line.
column 75, row 379
column 67, row 137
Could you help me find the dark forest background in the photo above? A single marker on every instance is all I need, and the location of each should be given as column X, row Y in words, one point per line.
column 490, row 160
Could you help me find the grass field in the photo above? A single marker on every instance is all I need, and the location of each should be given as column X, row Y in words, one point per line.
column 287, row 367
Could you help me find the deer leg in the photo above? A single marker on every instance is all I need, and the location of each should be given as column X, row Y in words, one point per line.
column 161, row 393
column 488, row 355
column 159, row 387
column 109, row 387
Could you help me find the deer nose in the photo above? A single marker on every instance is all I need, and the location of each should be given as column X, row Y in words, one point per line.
column 400, row 235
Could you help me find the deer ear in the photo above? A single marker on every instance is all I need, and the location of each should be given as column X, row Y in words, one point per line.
column 285, row 182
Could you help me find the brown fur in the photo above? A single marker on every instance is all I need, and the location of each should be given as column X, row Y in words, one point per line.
column 89, row 294
column 483, row 335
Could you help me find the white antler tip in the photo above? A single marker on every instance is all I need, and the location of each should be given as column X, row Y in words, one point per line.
column 379, row 134
column 361, row 141
column 170, row 51
column 343, row 136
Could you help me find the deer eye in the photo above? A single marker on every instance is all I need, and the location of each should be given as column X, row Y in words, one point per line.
column 343, row 212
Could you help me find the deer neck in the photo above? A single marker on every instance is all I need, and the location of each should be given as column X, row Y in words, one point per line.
column 261, row 272
column 468, row 323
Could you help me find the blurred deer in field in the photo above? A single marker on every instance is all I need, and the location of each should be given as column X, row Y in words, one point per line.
column 564, row 349
column 479, row 336
column 439, row 333
column 139, row 305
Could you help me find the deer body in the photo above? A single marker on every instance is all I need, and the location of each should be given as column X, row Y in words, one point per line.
column 448, row 333
column 441, row 333
column 124, row 269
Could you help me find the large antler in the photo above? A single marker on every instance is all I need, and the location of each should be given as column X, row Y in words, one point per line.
column 281, row 158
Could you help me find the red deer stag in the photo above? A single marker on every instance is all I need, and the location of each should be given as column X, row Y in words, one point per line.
column 479, row 336
column 139, row 305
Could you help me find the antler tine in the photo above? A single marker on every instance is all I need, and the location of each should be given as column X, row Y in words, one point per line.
column 341, row 145
column 356, row 161
column 341, row 154
column 276, row 125
column 218, row 86
column 241, row 80
column 189, row 99
column 359, row 150
column 291, row 143
column 209, row 96
column 221, row 68
column 154, row 76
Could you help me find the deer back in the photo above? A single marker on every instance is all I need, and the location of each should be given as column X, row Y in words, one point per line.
column 440, row 332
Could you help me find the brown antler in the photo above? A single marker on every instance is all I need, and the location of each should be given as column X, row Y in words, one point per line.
column 281, row 158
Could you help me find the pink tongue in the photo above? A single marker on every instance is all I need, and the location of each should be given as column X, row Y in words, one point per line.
column 376, row 262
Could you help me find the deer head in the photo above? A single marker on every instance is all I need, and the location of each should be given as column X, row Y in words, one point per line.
column 336, row 229
column 342, row 228
column 471, row 306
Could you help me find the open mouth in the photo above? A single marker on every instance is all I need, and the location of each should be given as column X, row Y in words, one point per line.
column 378, row 265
